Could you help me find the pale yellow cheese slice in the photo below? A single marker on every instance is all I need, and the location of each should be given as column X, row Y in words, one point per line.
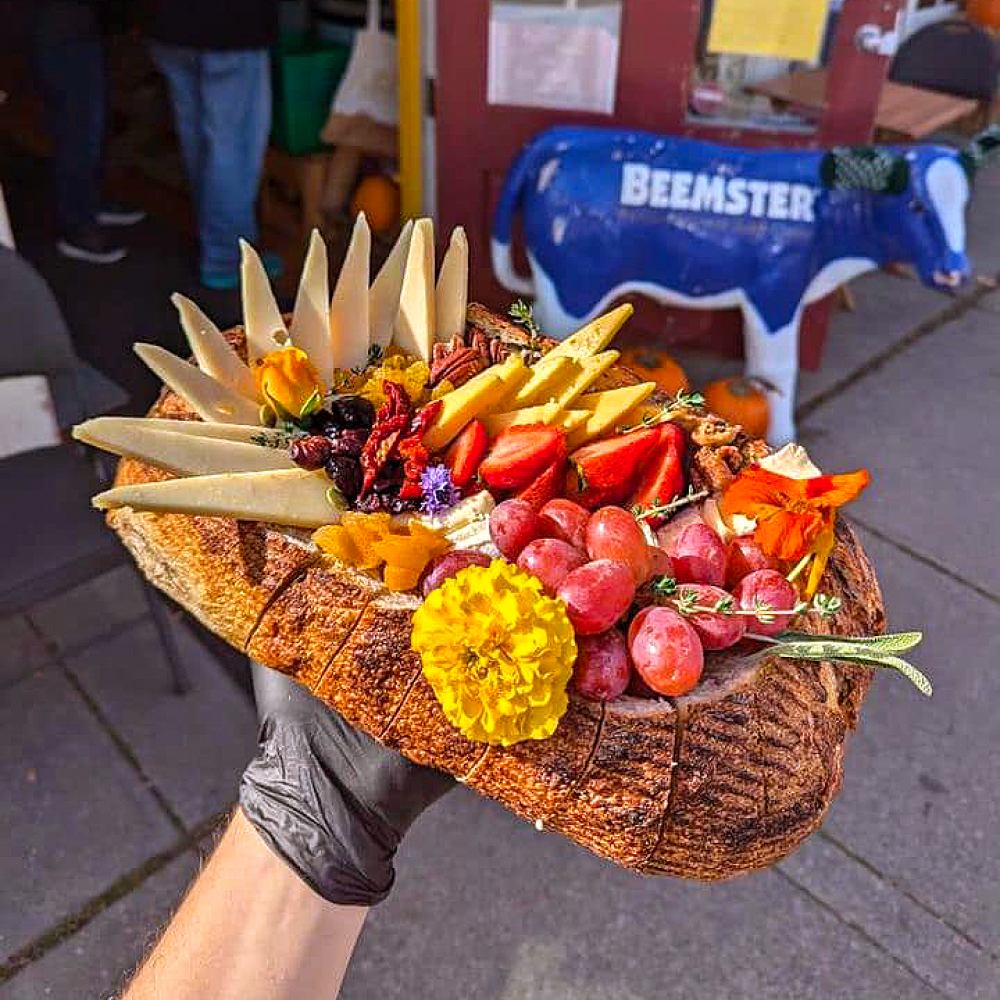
column 208, row 397
column 547, row 375
column 607, row 410
column 570, row 420
column 546, row 414
column 309, row 329
column 594, row 337
column 247, row 433
column 383, row 296
column 474, row 399
column 262, row 322
column 212, row 351
column 184, row 454
column 285, row 496
column 349, row 305
column 591, row 369
column 792, row 461
column 413, row 329
column 452, row 291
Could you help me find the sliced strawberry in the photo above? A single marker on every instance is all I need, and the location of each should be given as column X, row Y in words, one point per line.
column 466, row 452
column 674, row 435
column 520, row 453
column 605, row 471
column 661, row 481
column 546, row 487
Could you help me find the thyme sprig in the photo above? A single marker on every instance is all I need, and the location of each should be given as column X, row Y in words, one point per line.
column 524, row 315
column 682, row 401
column 685, row 601
column 659, row 509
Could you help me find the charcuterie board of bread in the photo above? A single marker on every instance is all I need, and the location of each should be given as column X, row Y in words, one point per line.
column 511, row 559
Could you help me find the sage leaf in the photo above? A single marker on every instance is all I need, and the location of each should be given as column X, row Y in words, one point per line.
column 899, row 642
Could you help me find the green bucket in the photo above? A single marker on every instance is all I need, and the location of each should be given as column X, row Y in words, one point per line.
column 305, row 73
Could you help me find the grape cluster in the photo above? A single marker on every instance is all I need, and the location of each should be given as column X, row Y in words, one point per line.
column 597, row 563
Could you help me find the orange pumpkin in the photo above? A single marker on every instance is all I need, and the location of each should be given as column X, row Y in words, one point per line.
column 740, row 401
column 655, row 365
column 378, row 197
column 984, row 12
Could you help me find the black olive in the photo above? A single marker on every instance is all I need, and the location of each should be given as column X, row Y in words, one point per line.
column 353, row 411
column 346, row 475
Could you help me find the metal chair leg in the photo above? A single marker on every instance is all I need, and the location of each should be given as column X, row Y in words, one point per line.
column 161, row 619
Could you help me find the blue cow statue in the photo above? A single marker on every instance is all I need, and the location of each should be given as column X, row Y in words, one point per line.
column 609, row 211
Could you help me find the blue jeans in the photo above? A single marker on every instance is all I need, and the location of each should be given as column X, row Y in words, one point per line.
column 222, row 105
column 69, row 61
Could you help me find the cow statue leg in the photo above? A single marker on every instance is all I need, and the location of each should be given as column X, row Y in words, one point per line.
column 774, row 359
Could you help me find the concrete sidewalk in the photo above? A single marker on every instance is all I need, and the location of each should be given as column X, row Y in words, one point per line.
column 112, row 784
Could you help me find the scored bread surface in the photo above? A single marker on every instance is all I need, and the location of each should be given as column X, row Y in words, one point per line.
column 725, row 780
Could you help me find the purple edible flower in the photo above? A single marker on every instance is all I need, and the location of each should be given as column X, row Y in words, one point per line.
column 440, row 492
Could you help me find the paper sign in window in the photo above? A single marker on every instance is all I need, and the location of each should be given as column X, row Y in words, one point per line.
column 552, row 57
column 788, row 29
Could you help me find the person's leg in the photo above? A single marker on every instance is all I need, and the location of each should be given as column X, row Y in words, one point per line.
column 236, row 106
column 70, row 65
column 181, row 68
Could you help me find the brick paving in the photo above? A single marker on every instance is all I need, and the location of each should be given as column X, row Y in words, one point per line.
column 112, row 783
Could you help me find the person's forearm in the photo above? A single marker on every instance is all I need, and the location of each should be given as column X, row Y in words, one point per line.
column 250, row 929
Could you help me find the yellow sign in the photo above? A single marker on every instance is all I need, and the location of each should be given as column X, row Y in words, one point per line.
column 787, row 29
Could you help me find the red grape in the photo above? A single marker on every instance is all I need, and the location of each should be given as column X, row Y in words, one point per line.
column 448, row 564
column 667, row 652
column 612, row 533
column 565, row 520
column 744, row 555
column 660, row 564
column 686, row 515
column 513, row 524
column 602, row 669
column 597, row 595
column 551, row 560
column 715, row 631
column 766, row 586
column 636, row 622
column 699, row 556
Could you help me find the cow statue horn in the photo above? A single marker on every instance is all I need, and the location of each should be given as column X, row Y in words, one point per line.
column 979, row 149
column 868, row 167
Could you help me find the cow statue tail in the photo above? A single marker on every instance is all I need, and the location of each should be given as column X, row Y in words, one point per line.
column 503, row 222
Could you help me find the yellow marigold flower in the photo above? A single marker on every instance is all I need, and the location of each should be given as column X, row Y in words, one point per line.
column 498, row 653
column 288, row 382
column 413, row 376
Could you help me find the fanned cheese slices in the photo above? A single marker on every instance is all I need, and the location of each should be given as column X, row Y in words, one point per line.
column 451, row 295
column 262, row 322
column 310, row 326
column 413, row 330
column 349, row 328
column 383, row 296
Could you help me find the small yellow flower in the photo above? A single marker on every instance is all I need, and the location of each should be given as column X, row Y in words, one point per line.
column 412, row 375
column 288, row 382
column 498, row 653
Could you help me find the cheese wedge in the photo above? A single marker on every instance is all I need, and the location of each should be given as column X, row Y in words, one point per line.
column 212, row 351
column 209, row 398
column 547, row 375
column 383, row 296
column 570, row 420
column 594, row 337
column 793, row 461
column 309, row 329
column 591, row 369
column 547, row 413
column 262, row 323
column 413, row 328
column 474, row 399
column 286, row 496
column 184, row 454
column 452, row 291
column 246, row 433
column 349, row 306
column 607, row 410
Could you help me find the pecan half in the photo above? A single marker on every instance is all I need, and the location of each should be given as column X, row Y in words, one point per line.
column 457, row 367
column 714, row 430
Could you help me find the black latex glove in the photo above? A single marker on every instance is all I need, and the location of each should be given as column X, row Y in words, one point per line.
column 329, row 799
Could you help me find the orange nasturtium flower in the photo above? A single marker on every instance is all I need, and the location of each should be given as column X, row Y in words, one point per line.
column 288, row 382
column 794, row 516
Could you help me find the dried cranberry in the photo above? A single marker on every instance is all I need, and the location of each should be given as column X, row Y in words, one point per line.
column 353, row 411
column 348, row 442
column 310, row 452
column 346, row 475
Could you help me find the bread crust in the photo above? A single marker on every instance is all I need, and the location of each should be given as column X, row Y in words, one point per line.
column 723, row 781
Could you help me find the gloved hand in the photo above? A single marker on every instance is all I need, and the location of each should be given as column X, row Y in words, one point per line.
column 329, row 799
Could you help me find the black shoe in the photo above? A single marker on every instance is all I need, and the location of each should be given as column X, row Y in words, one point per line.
column 91, row 245
column 113, row 214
